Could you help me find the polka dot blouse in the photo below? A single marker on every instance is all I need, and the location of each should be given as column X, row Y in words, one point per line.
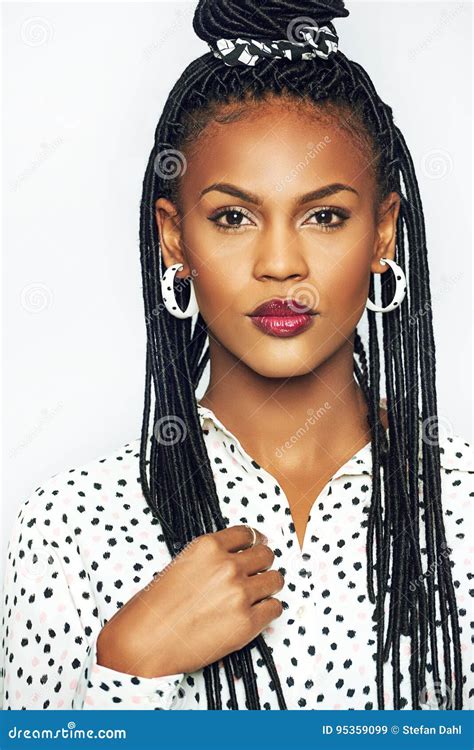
column 85, row 542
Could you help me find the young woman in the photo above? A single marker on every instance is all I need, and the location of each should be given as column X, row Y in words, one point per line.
column 293, row 539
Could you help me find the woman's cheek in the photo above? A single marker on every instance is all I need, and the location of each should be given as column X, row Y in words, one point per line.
column 217, row 287
column 346, row 285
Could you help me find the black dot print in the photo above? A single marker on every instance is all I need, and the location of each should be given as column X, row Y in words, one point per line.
column 85, row 542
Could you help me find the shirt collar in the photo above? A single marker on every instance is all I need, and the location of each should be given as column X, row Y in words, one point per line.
column 359, row 463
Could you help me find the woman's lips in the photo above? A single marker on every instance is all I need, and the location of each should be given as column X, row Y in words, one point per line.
column 288, row 325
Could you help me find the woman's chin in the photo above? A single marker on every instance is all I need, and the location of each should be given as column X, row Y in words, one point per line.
column 274, row 364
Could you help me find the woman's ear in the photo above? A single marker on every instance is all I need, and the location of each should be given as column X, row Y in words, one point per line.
column 387, row 216
column 169, row 230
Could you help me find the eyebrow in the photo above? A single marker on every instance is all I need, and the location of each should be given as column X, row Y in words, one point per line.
column 322, row 192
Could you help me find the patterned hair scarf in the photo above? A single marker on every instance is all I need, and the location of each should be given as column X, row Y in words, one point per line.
column 242, row 51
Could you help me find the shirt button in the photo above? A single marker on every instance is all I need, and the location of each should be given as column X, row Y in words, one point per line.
column 300, row 611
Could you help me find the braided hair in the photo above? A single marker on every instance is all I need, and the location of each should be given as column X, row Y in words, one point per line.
column 176, row 475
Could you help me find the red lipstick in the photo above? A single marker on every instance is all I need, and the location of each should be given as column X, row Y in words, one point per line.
column 282, row 317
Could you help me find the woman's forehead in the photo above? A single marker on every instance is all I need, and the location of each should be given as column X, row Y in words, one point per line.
column 279, row 146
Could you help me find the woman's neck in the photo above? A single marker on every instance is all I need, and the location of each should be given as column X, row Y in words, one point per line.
column 317, row 417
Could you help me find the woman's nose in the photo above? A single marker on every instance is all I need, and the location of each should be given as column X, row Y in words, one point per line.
column 279, row 255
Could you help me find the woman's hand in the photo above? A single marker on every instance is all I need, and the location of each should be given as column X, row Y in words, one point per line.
column 211, row 599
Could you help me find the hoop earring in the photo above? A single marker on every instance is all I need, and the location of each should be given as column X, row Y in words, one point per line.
column 169, row 297
column 400, row 289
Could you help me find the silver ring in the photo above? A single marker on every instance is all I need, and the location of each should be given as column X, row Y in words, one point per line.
column 254, row 533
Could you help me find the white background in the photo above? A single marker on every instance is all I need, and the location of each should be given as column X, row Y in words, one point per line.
column 83, row 88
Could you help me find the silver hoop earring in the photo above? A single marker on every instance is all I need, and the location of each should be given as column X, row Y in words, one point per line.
column 169, row 297
column 400, row 289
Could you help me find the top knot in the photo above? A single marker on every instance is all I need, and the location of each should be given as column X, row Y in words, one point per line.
column 262, row 19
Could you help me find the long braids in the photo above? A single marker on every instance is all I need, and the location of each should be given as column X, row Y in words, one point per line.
column 177, row 478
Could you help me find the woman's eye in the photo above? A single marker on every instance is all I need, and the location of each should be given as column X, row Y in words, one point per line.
column 328, row 219
column 233, row 219
column 230, row 219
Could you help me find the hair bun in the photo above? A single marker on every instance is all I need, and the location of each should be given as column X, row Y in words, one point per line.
column 262, row 19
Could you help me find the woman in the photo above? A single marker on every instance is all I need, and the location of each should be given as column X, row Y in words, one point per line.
column 277, row 543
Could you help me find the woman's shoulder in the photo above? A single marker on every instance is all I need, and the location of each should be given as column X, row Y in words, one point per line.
column 456, row 453
column 106, row 484
column 457, row 481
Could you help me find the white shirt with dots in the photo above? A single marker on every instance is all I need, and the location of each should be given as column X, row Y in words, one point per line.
column 85, row 542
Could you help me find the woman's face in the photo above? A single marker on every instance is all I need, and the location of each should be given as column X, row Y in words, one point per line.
column 279, row 205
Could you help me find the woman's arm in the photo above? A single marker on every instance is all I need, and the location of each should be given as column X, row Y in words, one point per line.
column 49, row 637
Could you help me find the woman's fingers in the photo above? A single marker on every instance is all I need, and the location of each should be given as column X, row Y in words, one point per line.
column 262, row 585
column 265, row 611
column 240, row 537
column 256, row 559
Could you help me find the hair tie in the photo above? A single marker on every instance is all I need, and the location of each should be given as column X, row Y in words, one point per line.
column 242, row 51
